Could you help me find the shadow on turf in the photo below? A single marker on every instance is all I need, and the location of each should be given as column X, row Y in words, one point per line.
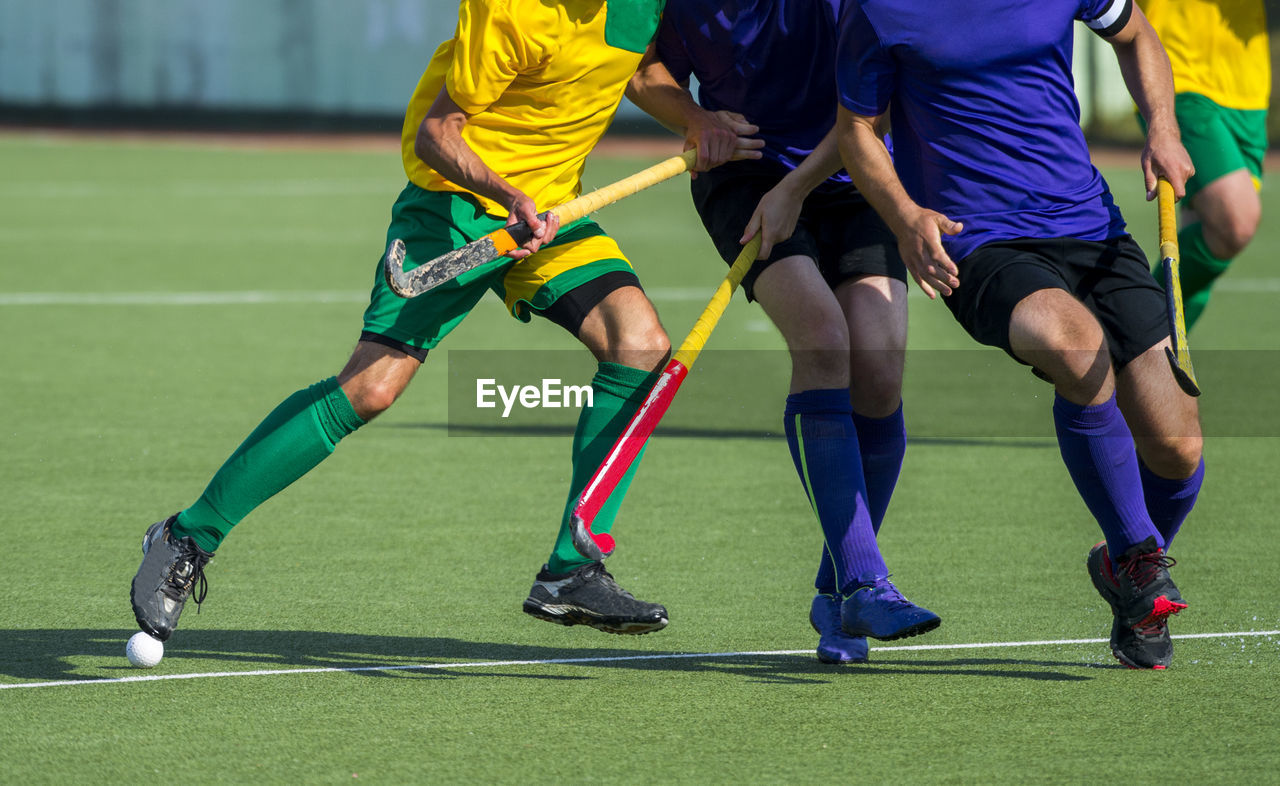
column 552, row 430
column 51, row 655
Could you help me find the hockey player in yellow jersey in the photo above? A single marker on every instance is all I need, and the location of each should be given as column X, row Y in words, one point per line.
column 498, row 129
column 1221, row 61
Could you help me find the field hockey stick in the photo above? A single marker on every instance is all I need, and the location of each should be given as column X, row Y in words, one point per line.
column 501, row 242
column 645, row 420
column 1180, row 354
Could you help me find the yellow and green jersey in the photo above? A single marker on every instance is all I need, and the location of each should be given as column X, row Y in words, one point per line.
column 541, row 82
column 1218, row 48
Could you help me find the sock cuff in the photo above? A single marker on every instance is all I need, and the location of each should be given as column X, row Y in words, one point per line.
column 887, row 427
column 1085, row 415
column 1192, row 244
column 827, row 401
column 1170, row 486
column 622, row 381
column 206, row 537
column 334, row 413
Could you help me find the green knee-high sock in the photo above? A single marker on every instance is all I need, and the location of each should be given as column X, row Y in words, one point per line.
column 617, row 392
column 298, row 434
column 1198, row 268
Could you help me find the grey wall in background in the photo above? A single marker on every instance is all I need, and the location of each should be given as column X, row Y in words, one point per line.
column 343, row 57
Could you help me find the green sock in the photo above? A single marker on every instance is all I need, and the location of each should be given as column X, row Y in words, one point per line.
column 298, row 434
column 1197, row 270
column 617, row 392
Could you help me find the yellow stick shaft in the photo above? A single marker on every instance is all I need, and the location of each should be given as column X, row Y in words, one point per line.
column 575, row 209
column 1168, row 219
column 697, row 338
column 1179, row 354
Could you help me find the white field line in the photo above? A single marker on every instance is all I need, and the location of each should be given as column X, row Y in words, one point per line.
column 250, row 297
column 270, row 297
column 574, row 661
column 292, row 188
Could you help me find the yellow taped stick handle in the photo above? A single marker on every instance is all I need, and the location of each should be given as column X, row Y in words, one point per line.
column 1168, row 219
column 575, row 209
column 697, row 338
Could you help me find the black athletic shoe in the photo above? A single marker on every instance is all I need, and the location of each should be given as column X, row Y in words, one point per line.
column 589, row 596
column 171, row 569
column 1147, row 644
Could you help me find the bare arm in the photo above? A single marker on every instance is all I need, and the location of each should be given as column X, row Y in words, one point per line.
column 776, row 216
column 1145, row 67
column 919, row 230
column 718, row 136
column 440, row 145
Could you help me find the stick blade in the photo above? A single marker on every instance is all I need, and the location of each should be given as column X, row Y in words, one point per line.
column 1180, row 354
column 1183, row 373
column 588, row 544
column 443, row 268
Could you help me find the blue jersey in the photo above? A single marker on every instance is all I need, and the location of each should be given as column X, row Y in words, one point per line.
column 985, row 121
column 773, row 61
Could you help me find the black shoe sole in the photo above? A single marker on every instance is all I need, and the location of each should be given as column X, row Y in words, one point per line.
column 575, row 615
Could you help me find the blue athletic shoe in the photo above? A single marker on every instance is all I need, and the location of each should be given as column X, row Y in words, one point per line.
column 876, row 609
column 833, row 645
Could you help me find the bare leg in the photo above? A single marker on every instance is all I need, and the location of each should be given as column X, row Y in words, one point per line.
column 797, row 299
column 375, row 376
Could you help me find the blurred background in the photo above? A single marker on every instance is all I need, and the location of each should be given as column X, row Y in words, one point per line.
column 295, row 65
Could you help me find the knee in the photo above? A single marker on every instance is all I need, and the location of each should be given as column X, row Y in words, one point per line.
column 1228, row 237
column 1052, row 331
column 640, row 345
column 371, row 398
column 821, row 350
column 1230, row 222
column 1173, row 457
column 648, row 337
column 876, row 382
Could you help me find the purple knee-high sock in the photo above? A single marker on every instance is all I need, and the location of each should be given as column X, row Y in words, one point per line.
column 1098, row 450
column 882, row 444
column 824, row 447
column 1170, row 500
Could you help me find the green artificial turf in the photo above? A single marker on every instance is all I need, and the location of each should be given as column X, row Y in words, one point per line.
column 156, row 300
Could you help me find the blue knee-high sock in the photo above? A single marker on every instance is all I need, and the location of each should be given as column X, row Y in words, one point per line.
column 882, row 444
column 824, row 447
column 1098, row 450
column 1170, row 500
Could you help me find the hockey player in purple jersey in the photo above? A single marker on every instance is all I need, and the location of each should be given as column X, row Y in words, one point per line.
column 997, row 207
column 828, row 275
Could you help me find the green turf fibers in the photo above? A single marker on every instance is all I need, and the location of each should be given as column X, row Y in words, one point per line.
column 412, row 545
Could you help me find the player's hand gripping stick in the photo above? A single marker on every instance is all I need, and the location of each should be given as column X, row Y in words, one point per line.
column 501, row 242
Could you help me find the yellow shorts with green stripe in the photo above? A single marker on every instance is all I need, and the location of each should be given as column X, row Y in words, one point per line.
column 432, row 223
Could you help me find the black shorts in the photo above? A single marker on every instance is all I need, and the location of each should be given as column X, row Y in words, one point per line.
column 568, row 311
column 1111, row 278
column 837, row 228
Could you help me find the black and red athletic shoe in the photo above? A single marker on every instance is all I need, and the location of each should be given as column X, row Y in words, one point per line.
column 1142, row 598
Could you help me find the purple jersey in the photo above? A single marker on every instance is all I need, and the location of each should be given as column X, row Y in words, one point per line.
column 986, row 126
column 773, row 61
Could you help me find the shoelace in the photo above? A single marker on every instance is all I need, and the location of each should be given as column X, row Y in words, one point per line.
column 185, row 574
column 889, row 593
column 1154, row 629
column 1144, row 568
column 607, row 579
